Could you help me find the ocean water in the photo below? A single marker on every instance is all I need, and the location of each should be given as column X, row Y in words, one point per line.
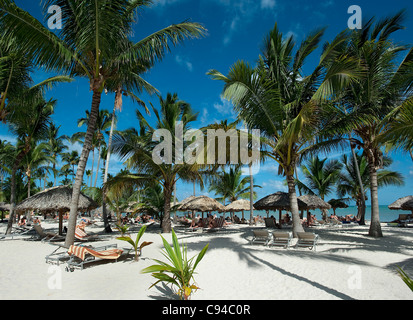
column 386, row 215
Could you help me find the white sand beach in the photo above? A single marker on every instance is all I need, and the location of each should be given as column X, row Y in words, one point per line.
column 346, row 265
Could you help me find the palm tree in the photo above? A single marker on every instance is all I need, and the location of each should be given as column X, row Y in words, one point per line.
column 28, row 122
column 276, row 98
column 55, row 146
column 137, row 148
column 320, row 177
column 348, row 182
column 72, row 159
column 35, row 158
column 231, row 185
column 91, row 44
column 103, row 122
column 369, row 102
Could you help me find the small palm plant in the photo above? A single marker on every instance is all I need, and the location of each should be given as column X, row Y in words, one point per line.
column 135, row 244
column 181, row 270
column 122, row 229
column 407, row 280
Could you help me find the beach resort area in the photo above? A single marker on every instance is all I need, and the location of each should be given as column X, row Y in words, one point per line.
column 206, row 150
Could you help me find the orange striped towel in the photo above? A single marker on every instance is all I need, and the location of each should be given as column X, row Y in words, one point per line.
column 80, row 233
column 80, row 252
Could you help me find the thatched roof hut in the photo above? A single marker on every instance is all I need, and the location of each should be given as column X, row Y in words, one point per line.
column 405, row 203
column 239, row 205
column 338, row 203
column 312, row 202
column 4, row 206
column 202, row 204
column 276, row 201
column 56, row 199
column 180, row 204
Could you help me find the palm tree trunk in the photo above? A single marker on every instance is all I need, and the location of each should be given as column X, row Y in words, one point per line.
column 375, row 227
column 166, row 221
column 251, row 194
column 98, row 165
column 93, row 162
column 297, row 227
column 19, row 159
column 105, row 177
column 362, row 212
column 97, row 95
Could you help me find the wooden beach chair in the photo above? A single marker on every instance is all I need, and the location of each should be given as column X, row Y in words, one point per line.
column 82, row 236
column 282, row 239
column 79, row 256
column 260, row 237
column 47, row 236
column 270, row 223
column 18, row 233
column 307, row 240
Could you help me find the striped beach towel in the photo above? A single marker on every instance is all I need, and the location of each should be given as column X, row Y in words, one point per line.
column 80, row 252
column 80, row 233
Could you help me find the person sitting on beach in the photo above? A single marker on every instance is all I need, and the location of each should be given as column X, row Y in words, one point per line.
column 22, row 222
column 236, row 219
column 212, row 222
column 287, row 219
column 36, row 221
column 333, row 216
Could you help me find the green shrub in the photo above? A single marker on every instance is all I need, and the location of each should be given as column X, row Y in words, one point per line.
column 135, row 244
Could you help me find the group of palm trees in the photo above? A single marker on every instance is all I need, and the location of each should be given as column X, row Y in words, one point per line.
column 360, row 94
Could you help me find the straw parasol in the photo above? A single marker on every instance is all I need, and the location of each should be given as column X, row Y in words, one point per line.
column 202, row 204
column 313, row 202
column 405, row 203
column 186, row 200
column 56, row 199
column 4, row 206
column 277, row 201
column 239, row 205
column 338, row 203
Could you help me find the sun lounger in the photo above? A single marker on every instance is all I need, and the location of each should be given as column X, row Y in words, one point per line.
column 47, row 236
column 18, row 233
column 82, row 236
column 281, row 239
column 79, row 255
column 270, row 223
column 260, row 237
column 307, row 240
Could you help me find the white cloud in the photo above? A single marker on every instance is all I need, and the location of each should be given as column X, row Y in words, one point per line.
column 225, row 108
column 275, row 185
column 268, row 4
column 184, row 62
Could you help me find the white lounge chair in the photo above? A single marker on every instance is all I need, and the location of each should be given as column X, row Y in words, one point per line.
column 307, row 240
column 282, row 239
column 260, row 237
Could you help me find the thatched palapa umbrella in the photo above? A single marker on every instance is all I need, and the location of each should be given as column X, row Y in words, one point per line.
column 56, row 199
column 239, row 205
column 405, row 203
column 276, row 201
column 202, row 204
column 338, row 203
column 312, row 202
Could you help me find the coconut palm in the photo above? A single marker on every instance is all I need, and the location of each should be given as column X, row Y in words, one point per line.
column 55, row 146
column 231, row 185
column 35, row 158
column 348, row 181
column 91, row 44
column 369, row 103
column 284, row 104
column 28, row 122
column 137, row 149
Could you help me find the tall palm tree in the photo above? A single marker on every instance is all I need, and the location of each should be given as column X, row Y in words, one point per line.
column 231, row 185
column 369, row 102
column 72, row 159
column 320, row 177
column 55, row 146
column 284, row 104
column 137, row 148
column 35, row 158
column 28, row 122
column 348, row 182
column 103, row 122
column 91, row 44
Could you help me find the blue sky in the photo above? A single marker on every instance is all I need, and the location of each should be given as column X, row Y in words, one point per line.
column 236, row 29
